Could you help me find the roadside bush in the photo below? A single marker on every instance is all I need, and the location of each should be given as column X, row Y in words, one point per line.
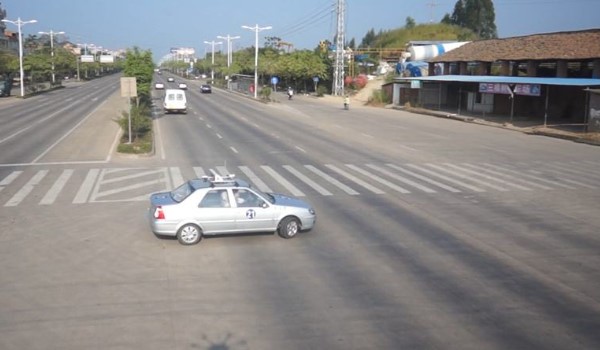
column 265, row 93
column 379, row 98
column 142, row 145
column 321, row 91
column 141, row 123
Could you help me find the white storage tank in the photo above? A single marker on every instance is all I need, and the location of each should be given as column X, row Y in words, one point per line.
column 424, row 52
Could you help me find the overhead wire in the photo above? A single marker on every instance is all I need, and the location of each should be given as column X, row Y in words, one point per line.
column 316, row 16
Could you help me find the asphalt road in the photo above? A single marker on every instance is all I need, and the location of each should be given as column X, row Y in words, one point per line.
column 431, row 233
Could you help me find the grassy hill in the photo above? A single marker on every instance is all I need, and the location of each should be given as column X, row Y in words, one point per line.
column 398, row 38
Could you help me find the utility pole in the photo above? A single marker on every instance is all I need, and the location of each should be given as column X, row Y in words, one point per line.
column 52, row 33
column 229, row 39
column 212, row 70
column 432, row 6
column 19, row 23
column 338, row 72
column 256, row 29
column 229, row 54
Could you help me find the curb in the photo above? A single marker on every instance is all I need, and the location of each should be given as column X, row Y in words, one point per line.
column 528, row 131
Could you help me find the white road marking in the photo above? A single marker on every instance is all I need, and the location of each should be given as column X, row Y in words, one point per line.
column 37, row 122
column 466, row 177
column 60, row 183
column 199, row 172
column 87, row 186
column 446, row 178
column 10, row 178
column 233, row 149
column 114, row 145
column 332, row 180
column 176, row 177
column 307, row 181
column 300, row 149
column 100, row 194
column 69, row 132
column 497, row 173
column 476, row 173
column 529, row 176
column 425, row 178
column 255, row 180
column 26, row 189
column 378, row 179
column 160, row 140
column 293, row 189
column 408, row 148
column 402, row 179
column 142, row 172
column 355, row 179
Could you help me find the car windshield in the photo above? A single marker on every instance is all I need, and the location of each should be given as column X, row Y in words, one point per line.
column 264, row 195
column 181, row 192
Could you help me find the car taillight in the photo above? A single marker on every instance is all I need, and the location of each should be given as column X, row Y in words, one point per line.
column 159, row 214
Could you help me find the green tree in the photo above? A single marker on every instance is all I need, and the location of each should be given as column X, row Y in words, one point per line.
column 368, row 39
column 9, row 62
column 477, row 15
column 410, row 23
column 139, row 64
column 300, row 67
column 352, row 44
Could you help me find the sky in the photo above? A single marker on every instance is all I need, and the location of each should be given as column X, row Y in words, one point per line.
column 161, row 25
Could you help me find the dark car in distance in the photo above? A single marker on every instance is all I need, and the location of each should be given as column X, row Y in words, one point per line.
column 205, row 89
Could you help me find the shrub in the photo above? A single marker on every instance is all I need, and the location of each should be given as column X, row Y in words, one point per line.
column 265, row 93
column 379, row 98
column 141, row 146
column 141, row 122
column 321, row 91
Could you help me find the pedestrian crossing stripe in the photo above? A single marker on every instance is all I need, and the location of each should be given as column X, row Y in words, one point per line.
column 97, row 185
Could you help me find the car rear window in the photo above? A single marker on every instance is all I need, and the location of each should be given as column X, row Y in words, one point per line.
column 182, row 192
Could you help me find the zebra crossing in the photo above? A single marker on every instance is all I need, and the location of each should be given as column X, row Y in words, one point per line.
column 101, row 185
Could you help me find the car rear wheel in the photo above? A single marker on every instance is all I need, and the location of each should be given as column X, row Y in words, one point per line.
column 189, row 234
column 288, row 227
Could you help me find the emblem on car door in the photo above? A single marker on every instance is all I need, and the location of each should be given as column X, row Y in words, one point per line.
column 250, row 214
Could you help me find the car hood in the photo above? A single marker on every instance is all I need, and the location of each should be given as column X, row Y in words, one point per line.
column 162, row 198
column 282, row 199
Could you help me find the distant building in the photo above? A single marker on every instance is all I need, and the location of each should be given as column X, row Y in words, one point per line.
column 9, row 41
column 536, row 76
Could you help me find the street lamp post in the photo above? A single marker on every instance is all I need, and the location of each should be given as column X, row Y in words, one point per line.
column 212, row 68
column 256, row 29
column 229, row 39
column 229, row 55
column 20, row 23
column 51, row 33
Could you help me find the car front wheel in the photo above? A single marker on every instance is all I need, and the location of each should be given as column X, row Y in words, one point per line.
column 288, row 228
column 189, row 234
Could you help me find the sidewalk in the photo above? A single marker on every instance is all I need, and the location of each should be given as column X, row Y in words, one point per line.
column 568, row 132
column 526, row 126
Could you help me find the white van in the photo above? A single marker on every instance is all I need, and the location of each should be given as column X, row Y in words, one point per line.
column 175, row 101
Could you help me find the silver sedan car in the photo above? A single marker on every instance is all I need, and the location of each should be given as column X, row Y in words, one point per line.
column 225, row 205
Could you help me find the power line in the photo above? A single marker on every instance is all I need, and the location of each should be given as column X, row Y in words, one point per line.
column 314, row 17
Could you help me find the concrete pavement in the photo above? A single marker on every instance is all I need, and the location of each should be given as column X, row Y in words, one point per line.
column 95, row 138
